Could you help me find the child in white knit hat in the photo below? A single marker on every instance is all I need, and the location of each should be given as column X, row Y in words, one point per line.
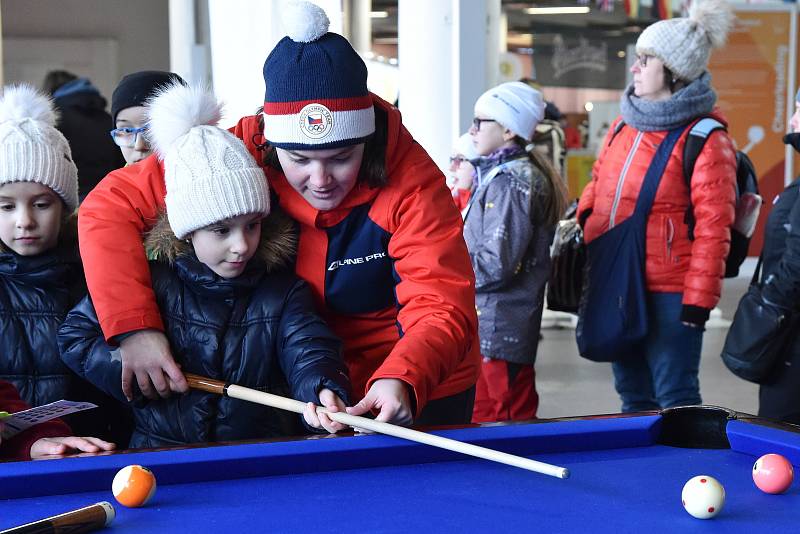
column 508, row 227
column 232, row 306
column 40, row 270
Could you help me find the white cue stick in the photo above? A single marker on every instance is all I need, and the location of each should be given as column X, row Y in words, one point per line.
column 283, row 403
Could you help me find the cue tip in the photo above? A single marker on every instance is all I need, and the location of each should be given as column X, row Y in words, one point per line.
column 111, row 514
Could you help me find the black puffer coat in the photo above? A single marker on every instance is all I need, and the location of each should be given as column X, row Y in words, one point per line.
column 36, row 292
column 258, row 330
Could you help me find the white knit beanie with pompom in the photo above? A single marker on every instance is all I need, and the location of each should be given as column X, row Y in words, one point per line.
column 684, row 44
column 209, row 174
column 31, row 149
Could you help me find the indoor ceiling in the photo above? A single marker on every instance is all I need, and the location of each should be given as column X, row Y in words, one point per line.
column 523, row 27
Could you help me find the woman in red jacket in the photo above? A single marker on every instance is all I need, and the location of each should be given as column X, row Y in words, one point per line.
column 380, row 239
column 683, row 274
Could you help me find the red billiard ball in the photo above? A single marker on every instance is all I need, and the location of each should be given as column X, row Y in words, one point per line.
column 133, row 486
column 773, row 473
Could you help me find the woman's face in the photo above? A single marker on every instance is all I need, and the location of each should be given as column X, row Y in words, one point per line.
column 794, row 122
column 649, row 82
column 488, row 135
column 323, row 177
column 134, row 146
column 461, row 172
column 30, row 217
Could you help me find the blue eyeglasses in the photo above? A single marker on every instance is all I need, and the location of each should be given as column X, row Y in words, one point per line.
column 127, row 137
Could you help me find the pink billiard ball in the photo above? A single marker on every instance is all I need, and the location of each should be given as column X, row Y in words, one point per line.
column 773, row 473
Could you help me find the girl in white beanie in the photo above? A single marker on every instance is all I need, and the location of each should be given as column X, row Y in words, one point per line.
column 462, row 170
column 40, row 270
column 509, row 224
column 688, row 228
column 233, row 309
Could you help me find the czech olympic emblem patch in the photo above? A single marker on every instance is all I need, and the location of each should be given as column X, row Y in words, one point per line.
column 316, row 121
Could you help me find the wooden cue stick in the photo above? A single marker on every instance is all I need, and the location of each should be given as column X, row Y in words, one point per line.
column 84, row 519
column 283, row 403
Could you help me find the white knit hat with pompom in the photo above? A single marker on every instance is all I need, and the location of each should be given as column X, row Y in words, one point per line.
column 684, row 44
column 31, row 149
column 209, row 174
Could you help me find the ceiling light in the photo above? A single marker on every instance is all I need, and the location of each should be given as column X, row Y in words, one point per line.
column 578, row 10
column 379, row 14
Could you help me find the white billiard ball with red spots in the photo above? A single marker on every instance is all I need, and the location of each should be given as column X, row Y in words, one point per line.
column 703, row 497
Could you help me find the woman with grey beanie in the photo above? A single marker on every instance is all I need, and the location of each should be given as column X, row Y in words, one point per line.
column 688, row 227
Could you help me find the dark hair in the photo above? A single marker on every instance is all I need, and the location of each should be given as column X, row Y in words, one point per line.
column 551, row 202
column 373, row 164
column 55, row 79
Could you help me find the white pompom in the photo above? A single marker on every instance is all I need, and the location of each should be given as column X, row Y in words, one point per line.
column 20, row 102
column 304, row 22
column 715, row 17
column 175, row 109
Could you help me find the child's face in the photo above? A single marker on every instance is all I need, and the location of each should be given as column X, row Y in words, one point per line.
column 30, row 217
column 226, row 247
column 323, row 177
column 488, row 135
column 135, row 147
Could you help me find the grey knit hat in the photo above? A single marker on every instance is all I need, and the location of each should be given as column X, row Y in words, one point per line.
column 684, row 44
column 209, row 174
column 31, row 149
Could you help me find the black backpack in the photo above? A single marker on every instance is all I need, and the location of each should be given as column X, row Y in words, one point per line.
column 748, row 201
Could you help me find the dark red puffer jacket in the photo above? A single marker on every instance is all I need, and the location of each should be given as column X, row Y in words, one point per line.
column 674, row 263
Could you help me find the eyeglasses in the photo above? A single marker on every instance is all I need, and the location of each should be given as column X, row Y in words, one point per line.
column 457, row 160
column 476, row 122
column 127, row 137
column 643, row 59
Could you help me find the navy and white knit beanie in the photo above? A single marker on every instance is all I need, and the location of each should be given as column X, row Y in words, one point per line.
column 317, row 96
column 31, row 149
column 208, row 172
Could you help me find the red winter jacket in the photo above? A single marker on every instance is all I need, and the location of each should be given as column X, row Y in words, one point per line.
column 19, row 447
column 389, row 268
column 674, row 263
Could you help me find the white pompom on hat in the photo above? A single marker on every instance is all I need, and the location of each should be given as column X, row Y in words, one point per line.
column 466, row 147
column 31, row 149
column 684, row 44
column 209, row 174
column 515, row 105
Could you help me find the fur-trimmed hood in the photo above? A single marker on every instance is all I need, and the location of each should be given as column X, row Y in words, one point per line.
column 277, row 248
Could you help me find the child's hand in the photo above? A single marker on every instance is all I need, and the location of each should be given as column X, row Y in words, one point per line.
column 58, row 446
column 390, row 397
column 330, row 402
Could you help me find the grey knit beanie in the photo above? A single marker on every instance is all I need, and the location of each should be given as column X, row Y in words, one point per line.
column 684, row 44
column 31, row 149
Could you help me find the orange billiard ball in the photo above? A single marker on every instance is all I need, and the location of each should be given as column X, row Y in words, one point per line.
column 133, row 486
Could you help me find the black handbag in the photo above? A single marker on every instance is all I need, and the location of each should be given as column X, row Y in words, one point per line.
column 759, row 334
column 568, row 259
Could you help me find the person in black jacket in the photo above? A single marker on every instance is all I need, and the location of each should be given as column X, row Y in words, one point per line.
column 779, row 396
column 85, row 123
column 41, row 277
column 222, row 275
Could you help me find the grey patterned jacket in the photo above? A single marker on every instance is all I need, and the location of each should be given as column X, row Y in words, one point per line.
column 511, row 258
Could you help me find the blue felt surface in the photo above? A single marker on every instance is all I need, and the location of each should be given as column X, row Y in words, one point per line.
column 630, row 489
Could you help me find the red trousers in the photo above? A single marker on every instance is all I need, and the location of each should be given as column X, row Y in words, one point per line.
column 505, row 392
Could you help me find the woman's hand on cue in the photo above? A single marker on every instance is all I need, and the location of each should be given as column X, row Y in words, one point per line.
column 390, row 398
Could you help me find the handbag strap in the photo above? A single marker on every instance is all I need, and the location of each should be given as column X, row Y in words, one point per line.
column 647, row 194
column 757, row 273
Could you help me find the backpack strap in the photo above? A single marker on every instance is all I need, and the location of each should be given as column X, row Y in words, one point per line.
column 695, row 141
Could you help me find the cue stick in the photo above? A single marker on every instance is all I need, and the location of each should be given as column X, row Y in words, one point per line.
column 85, row 519
column 283, row 403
